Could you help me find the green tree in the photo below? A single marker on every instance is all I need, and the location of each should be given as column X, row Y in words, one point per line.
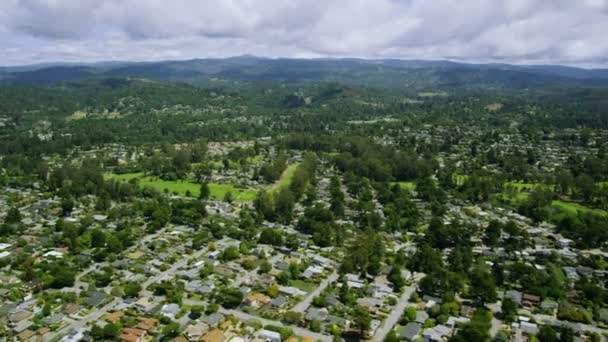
column 361, row 319
column 205, row 192
column 482, row 285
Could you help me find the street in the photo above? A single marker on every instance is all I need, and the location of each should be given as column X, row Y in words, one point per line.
column 305, row 303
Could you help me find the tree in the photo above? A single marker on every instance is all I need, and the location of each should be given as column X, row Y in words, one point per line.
column 493, row 232
column 409, row 314
column 67, row 205
column 285, row 203
column 229, row 197
column 13, row 216
column 132, row 289
column 361, row 319
column 396, row 278
column 392, row 337
column 230, row 297
column 547, row 334
column 265, row 267
column 482, row 286
column 171, row 329
column 205, row 192
column 508, row 309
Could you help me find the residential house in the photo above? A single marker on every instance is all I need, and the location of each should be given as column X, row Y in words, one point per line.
column 530, row 301
column 215, row 335
column 196, row 331
column 279, row 302
column 291, row 291
column 256, row 299
column 316, row 314
column 132, row 335
column 214, row 319
column 269, row 336
column 169, row 310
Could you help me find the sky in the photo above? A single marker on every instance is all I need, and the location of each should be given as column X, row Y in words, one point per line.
column 570, row 32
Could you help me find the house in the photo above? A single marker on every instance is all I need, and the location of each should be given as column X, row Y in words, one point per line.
column 169, row 310
column 529, row 328
column 311, row 272
column 467, row 311
column 454, row 321
column 421, row 316
column 25, row 335
column 195, row 332
column 70, row 308
column 514, row 295
column 571, row 273
column 564, row 243
column 132, row 335
column 316, row 314
column 269, row 336
column 52, row 319
column 147, row 324
column 53, row 254
column 370, row 303
column 95, row 298
column 549, row 306
column 529, row 300
column 145, row 305
column 279, row 302
column 215, row 335
column 214, row 319
column 291, row 291
column 113, row 317
column 256, row 299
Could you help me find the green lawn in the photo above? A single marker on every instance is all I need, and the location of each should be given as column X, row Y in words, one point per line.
column 573, row 208
column 305, row 286
column 459, row 179
column 285, row 179
column 569, row 208
column 218, row 191
column 411, row 186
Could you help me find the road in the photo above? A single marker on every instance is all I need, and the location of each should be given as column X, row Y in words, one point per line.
column 496, row 323
column 392, row 319
column 305, row 303
column 576, row 327
column 77, row 325
column 297, row 330
column 171, row 270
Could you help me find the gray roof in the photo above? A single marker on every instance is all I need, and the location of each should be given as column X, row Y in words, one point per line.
column 514, row 295
column 95, row 298
column 315, row 314
column 411, row 331
column 279, row 301
column 213, row 319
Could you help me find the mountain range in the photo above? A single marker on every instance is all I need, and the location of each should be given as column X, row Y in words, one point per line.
column 384, row 73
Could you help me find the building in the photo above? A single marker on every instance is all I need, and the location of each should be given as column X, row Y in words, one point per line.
column 269, row 336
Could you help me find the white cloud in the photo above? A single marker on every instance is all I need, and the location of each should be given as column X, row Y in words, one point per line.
column 536, row 31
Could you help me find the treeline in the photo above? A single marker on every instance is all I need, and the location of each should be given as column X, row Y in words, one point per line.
column 366, row 158
column 278, row 206
column 273, row 170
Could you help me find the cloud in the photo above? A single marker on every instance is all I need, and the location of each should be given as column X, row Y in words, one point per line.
column 519, row 31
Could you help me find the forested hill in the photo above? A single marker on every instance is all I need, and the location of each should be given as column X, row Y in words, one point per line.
column 392, row 74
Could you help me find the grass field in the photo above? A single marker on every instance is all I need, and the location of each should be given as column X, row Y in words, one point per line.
column 218, row 191
column 285, row 179
column 569, row 208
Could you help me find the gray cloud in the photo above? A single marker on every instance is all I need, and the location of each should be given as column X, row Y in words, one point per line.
column 519, row 31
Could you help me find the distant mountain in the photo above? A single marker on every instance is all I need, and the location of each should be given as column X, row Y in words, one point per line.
column 386, row 73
